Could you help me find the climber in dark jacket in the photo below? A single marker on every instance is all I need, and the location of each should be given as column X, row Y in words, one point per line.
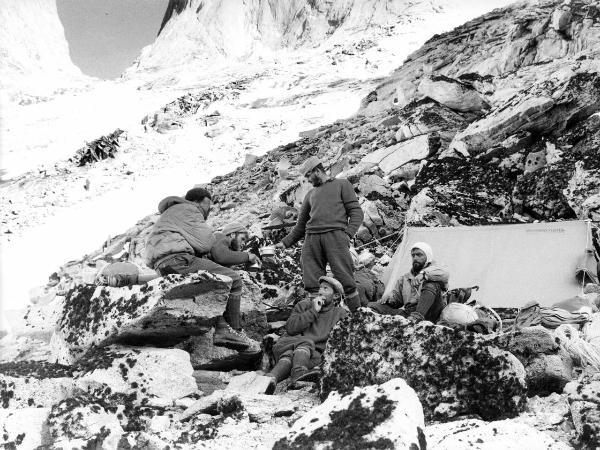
column 226, row 250
column 328, row 220
column 299, row 350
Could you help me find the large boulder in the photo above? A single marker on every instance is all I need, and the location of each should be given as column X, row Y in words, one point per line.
column 24, row 428
column 417, row 148
column 75, row 423
column 204, row 355
column 547, row 365
column 479, row 435
column 584, row 401
column 34, row 384
column 452, row 93
column 147, row 375
column 385, row 416
column 164, row 310
column 453, row 372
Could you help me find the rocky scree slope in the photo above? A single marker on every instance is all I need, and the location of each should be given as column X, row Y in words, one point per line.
column 408, row 167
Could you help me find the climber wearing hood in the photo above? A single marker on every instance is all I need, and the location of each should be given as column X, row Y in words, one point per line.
column 180, row 242
column 418, row 293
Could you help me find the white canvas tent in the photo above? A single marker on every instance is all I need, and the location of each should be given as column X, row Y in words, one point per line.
column 512, row 264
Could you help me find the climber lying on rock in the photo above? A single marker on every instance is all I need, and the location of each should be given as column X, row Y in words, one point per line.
column 298, row 351
column 418, row 293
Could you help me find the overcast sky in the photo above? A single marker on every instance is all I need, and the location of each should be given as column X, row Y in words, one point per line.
column 106, row 36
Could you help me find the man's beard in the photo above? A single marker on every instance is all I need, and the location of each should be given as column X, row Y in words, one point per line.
column 316, row 182
column 417, row 266
column 235, row 245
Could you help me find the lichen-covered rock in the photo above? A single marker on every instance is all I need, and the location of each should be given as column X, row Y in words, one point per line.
column 479, row 435
column 34, row 384
column 24, row 428
column 204, row 355
column 452, row 372
column 75, row 423
column 548, row 367
column 166, row 308
column 150, row 375
column 584, row 401
column 388, row 416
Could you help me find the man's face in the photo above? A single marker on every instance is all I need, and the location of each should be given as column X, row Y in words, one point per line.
column 205, row 205
column 238, row 240
column 327, row 292
column 418, row 259
column 314, row 177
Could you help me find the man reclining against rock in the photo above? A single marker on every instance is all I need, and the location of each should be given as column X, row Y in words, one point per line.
column 418, row 293
column 180, row 243
column 299, row 350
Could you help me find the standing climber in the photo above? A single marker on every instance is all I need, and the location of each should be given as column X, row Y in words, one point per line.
column 180, row 242
column 329, row 218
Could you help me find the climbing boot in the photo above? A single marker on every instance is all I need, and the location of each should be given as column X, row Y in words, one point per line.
column 311, row 375
column 297, row 373
column 225, row 336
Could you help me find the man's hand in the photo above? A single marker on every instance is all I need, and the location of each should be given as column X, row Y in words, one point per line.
column 384, row 300
column 318, row 303
column 279, row 246
column 349, row 239
column 253, row 259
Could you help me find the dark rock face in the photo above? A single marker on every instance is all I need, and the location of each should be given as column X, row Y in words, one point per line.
column 548, row 367
column 584, row 400
column 452, row 372
column 205, row 356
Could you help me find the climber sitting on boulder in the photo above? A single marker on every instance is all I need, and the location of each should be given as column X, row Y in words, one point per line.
column 180, row 243
column 299, row 350
column 226, row 250
column 418, row 293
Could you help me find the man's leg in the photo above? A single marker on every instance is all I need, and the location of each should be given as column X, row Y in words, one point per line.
column 231, row 317
column 313, row 262
column 385, row 309
column 335, row 246
column 300, row 362
column 232, row 309
column 281, row 370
